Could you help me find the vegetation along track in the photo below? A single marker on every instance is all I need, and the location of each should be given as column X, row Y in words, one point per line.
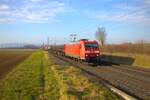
column 132, row 81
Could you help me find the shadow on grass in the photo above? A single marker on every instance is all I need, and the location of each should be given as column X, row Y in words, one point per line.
column 109, row 59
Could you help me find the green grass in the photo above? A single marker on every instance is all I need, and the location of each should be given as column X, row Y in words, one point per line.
column 39, row 78
column 24, row 82
column 33, row 79
column 51, row 88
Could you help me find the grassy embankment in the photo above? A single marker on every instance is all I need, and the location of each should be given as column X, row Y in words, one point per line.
column 139, row 60
column 136, row 54
column 38, row 77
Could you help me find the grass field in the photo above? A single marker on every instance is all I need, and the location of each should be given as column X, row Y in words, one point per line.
column 39, row 78
column 25, row 81
column 139, row 60
column 136, row 54
column 10, row 58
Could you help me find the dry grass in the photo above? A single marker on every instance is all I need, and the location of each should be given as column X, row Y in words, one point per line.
column 138, row 48
column 139, row 52
column 140, row 60
column 51, row 84
column 75, row 86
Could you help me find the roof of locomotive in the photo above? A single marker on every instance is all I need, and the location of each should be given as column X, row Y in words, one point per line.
column 88, row 41
column 82, row 41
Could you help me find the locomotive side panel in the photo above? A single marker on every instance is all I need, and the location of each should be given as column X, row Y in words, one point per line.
column 72, row 50
column 82, row 51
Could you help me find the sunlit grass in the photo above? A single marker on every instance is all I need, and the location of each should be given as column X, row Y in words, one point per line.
column 140, row 60
column 24, row 82
column 51, row 86
column 39, row 78
column 75, row 86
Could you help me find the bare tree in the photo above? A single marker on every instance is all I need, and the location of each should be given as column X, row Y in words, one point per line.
column 101, row 35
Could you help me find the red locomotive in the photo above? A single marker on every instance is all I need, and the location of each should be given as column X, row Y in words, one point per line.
column 84, row 50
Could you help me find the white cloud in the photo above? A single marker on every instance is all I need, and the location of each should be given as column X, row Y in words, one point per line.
column 125, row 18
column 124, row 6
column 4, row 7
column 125, row 13
column 33, row 11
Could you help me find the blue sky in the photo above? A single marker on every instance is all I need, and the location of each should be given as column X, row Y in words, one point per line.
column 32, row 21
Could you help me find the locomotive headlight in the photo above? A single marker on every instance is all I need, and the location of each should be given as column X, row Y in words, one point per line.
column 86, row 55
column 97, row 55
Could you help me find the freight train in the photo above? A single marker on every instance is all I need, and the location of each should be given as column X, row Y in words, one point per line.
column 84, row 50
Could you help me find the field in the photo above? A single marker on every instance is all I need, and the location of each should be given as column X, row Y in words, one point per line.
column 137, row 48
column 40, row 77
column 10, row 58
column 137, row 54
column 25, row 81
column 134, row 59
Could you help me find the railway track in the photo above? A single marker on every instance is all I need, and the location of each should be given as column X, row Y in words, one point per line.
column 128, row 82
column 140, row 75
column 125, row 81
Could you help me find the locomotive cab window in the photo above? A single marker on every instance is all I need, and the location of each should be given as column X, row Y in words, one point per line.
column 91, row 45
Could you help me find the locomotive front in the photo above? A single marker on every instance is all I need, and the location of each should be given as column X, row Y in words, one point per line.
column 92, row 51
column 89, row 50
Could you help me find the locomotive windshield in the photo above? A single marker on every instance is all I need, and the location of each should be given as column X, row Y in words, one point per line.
column 91, row 45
